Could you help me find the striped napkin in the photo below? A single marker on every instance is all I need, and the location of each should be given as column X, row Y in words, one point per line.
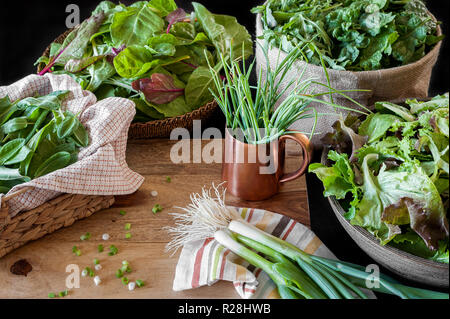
column 204, row 262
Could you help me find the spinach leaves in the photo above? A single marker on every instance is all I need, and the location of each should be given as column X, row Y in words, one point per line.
column 152, row 52
column 37, row 138
column 357, row 35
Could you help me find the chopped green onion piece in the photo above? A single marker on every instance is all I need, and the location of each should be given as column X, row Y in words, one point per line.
column 128, row 235
column 125, row 280
column 127, row 226
column 126, row 269
column 119, row 273
column 76, row 250
column 89, row 271
column 51, row 295
column 156, row 209
column 168, row 179
column 113, row 250
column 100, row 248
column 125, row 266
column 85, row 236
column 140, row 283
column 63, row 293
column 122, row 212
column 96, row 261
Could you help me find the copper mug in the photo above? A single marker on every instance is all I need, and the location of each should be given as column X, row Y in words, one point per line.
column 256, row 172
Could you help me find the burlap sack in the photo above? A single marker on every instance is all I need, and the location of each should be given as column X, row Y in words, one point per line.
column 401, row 82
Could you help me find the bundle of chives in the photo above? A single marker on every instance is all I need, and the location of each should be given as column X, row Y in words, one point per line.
column 260, row 111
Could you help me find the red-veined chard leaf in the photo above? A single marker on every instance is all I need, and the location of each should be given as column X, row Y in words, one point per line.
column 159, row 89
column 77, row 65
column 75, row 44
column 177, row 15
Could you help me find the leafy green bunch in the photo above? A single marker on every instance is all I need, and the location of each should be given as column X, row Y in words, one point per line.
column 394, row 165
column 151, row 52
column 357, row 35
column 37, row 138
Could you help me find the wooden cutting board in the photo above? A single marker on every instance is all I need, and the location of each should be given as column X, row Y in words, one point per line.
column 51, row 255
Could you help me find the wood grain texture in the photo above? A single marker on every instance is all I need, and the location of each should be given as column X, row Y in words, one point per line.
column 50, row 255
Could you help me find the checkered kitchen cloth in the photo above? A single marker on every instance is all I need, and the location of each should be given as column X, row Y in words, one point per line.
column 101, row 168
column 204, row 262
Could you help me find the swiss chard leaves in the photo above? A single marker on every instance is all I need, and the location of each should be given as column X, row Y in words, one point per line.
column 75, row 44
column 120, row 44
column 159, row 89
column 224, row 32
column 135, row 25
column 198, row 87
column 163, row 7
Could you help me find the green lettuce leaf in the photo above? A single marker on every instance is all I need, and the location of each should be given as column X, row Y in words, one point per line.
column 400, row 197
column 376, row 125
column 338, row 180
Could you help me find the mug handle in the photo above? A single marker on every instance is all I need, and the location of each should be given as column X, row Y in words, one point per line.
column 307, row 148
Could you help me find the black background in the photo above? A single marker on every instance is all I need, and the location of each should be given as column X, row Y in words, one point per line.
column 27, row 27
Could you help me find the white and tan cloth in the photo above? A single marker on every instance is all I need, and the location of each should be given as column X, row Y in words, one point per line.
column 101, row 168
column 204, row 262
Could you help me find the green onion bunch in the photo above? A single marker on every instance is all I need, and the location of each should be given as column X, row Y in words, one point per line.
column 252, row 108
column 261, row 111
column 299, row 275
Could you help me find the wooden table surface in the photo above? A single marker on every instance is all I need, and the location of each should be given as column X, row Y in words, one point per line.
column 50, row 255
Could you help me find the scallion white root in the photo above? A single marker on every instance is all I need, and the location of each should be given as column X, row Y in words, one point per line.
column 206, row 214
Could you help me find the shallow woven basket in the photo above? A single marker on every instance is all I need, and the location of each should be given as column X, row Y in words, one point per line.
column 57, row 213
column 156, row 128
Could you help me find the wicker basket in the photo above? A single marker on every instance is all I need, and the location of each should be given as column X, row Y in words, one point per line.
column 57, row 213
column 156, row 128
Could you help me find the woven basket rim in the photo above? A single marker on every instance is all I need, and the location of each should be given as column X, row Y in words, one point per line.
column 35, row 223
column 177, row 118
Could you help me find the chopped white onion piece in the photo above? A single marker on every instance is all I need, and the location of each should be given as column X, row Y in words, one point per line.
column 97, row 280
